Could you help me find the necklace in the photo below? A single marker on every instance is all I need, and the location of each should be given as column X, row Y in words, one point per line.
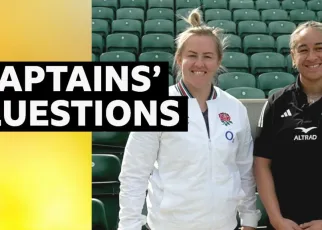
column 312, row 99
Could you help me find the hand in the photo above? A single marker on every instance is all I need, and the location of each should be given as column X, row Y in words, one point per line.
column 313, row 225
column 248, row 228
column 286, row 224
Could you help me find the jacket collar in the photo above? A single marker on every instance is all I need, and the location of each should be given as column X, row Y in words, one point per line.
column 184, row 91
column 300, row 96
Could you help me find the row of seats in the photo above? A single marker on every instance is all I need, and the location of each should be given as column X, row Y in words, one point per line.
column 267, row 16
column 123, row 56
column 233, row 61
column 250, row 92
column 266, row 81
column 164, row 26
column 278, row 41
column 257, row 43
column 251, row 43
column 257, row 63
column 208, row 4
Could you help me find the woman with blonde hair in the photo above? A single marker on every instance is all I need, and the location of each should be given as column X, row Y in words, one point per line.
column 288, row 146
column 198, row 179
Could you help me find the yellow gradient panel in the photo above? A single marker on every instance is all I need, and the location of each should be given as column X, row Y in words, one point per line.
column 45, row 181
column 45, row 30
column 45, row 177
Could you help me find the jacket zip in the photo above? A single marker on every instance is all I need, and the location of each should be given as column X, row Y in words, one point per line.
column 211, row 159
column 209, row 145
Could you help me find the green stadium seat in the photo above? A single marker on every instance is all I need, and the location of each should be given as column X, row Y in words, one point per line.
column 274, row 15
column 257, row 43
column 106, row 167
column 157, row 56
column 319, row 16
column 97, row 44
column 267, row 62
column 129, row 26
column 217, row 14
column 214, row 4
column 133, row 4
column 117, row 56
column 246, row 15
column 183, row 12
column 251, row 27
column 282, row 44
column 100, row 26
column 272, row 80
column 236, row 79
column 272, row 91
column 118, row 139
column 94, row 58
column 264, row 221
column 315, row 5
column 109, row 143
column 103, row 13
column 289, row 65
column 122, row 42
column 246, row 93
column 160, row 13
column 229, row 27
column 113, row 4
column 130, row 13
column 161, row 4
column 279, row 28
column 234, row 43
column 289, row 5
column 267, row 4
column 159, row 26
column 105, row 185
column 302, row 15
column 181, row 26
column 241, row 4
column 158, row 42
column 235, row 62
column 98, row 215
column 187, row 4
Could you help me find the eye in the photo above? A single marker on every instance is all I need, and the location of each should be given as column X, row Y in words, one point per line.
column 302, row 51
column 191, row 55
column 208, row 57
column 319, row 49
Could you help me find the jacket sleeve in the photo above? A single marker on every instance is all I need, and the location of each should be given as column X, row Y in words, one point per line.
column 249, row 215
column 138, row 161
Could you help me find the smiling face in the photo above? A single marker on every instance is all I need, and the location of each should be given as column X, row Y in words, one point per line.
column 307, row 54
column 199, row 61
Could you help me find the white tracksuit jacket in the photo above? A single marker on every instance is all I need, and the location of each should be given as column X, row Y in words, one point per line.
column 194, row 182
